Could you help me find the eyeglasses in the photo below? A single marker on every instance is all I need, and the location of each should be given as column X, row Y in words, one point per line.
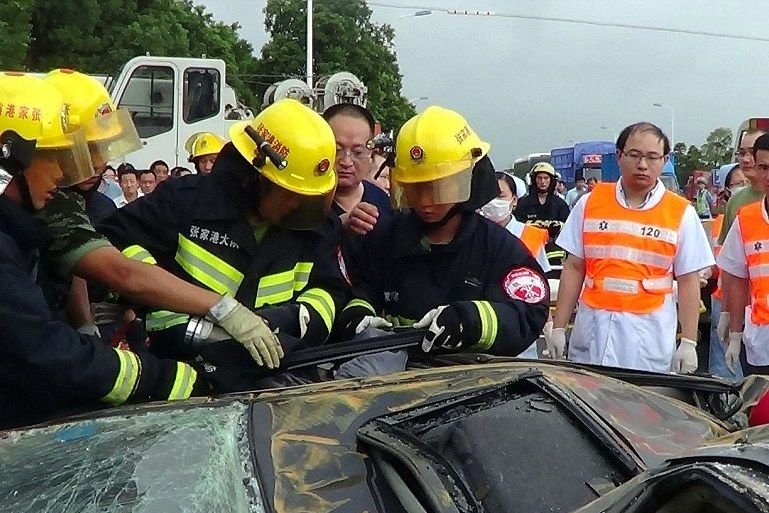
column 651, row 158
column 356, row 154
column 739, row 184
column 743, row 152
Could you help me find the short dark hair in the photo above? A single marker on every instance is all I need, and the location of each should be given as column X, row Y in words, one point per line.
column 353, row 111
column 643, row 126
column 158, row 163
column 509, row 181
column 178, row 170
column 593, row 179
column 147, row 172
column 762, row 143
column 126, row 170
column 579, row 178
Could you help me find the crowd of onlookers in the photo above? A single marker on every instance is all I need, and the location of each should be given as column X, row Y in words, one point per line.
column 126, row 183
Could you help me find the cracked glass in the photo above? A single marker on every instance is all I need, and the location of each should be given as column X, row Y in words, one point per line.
column 174, row 460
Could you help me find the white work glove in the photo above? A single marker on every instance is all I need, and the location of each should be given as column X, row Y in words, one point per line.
column 685, row 358
column 89, row 329
column 722, row 329
column 555, row 339
column 372, row 321
column 733, row 351
column 248, row 329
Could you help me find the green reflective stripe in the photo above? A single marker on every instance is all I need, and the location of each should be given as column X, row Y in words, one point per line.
column 302, row 275
column 139, row 254
column 359, row 302
column 489, row 326
column 127, row 378
column 555, row 254
column 163, row 319
column 322, row 302
column 397, row 320
column 207, row 268
column 185, row 379
column 280, row 287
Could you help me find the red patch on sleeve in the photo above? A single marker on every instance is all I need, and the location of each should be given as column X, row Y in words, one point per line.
column 525, row 285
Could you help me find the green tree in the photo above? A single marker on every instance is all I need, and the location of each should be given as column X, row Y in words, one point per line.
column 98, row 36
column 15, row 26
column 717, row 149
column 346, row 40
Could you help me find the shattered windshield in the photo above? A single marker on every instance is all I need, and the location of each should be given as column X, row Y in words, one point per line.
column 182, row 460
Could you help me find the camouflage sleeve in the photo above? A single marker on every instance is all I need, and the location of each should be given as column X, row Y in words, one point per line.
column 73, row 234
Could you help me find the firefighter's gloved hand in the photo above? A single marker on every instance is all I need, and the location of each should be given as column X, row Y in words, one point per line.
column 372, row 321
column 733, row 351
column 444, row 329
column 89, row 329
column 555, row 340
column 248, row 329
column 685, row 358
column 722, row 329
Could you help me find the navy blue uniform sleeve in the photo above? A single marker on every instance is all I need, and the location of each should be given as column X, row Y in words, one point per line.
column 151, row 222
column 43, row 356
column 328, row 288
column 516, row 304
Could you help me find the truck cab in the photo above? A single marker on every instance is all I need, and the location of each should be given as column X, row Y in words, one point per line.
column 171, row 98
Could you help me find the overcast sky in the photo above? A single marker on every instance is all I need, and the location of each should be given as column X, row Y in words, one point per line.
column 530, row 85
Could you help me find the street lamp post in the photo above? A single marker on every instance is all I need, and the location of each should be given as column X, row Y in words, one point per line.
column 309, row 44
column 672, row 121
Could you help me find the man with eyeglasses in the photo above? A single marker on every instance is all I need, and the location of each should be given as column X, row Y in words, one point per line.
column 358, row 202
column 627, row 243
column 743, row 259
column 750, row 194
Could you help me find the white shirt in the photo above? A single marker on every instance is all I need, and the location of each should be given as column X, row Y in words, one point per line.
column 624, row 339
column 516, row 228
column 733, row 260
column 121, row 201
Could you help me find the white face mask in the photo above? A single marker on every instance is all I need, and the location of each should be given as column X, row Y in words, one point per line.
column 737, row 188
column 497, row 209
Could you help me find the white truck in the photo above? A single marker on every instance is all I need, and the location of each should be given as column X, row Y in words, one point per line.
column 171, row 98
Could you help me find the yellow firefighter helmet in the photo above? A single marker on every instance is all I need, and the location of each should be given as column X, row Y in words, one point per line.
column 435, row 153
column 34, row 111
column 110, row 132
column 201, row 144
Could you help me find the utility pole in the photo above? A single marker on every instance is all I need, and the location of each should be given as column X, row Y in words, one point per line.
column 309, row 45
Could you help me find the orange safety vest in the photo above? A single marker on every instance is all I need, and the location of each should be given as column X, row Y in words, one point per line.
column 534, row 238
column 715, row 231
column 629, row 253
column 755, row 239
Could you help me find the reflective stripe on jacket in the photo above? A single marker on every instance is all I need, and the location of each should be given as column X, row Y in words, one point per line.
column 755, row 238
column 629, row 253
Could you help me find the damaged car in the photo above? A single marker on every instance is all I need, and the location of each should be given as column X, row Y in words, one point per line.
column 466, row 433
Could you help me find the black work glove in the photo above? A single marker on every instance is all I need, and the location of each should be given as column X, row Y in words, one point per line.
column 444, row 329
column 347, row 321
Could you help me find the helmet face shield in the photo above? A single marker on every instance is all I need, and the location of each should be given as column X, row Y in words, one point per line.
column 291, row 210
column 454, row 188
column 73, row 160
column 111, row 136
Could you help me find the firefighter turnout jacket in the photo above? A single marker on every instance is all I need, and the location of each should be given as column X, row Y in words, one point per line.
column 485, row 273
column 46, row 366
column 196, row 228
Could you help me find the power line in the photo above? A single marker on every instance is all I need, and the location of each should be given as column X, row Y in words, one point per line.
column 571, row 20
